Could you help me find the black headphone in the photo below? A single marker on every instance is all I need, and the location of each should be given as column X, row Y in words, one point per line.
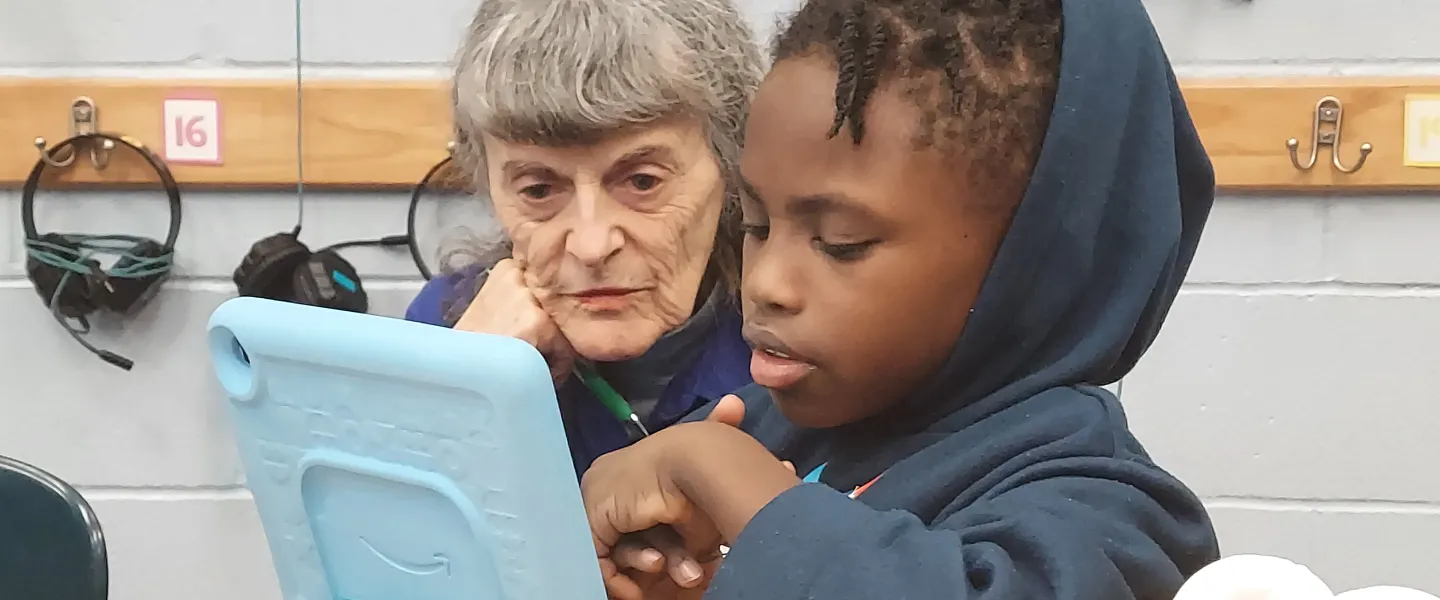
column 415, row 194
column 63, row 268
column 281, row 267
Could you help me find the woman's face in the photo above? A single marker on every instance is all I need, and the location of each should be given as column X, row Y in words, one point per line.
column 614, row 237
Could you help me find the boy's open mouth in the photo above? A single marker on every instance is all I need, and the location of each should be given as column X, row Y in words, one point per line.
column 764, row 340
column 772, row 363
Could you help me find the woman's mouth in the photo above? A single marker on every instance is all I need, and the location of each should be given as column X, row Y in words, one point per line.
column 606, row 299
column 772, row 363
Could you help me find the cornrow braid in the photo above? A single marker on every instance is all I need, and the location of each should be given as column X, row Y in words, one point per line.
column 867, row 75
column 847, row 67
column 983, row 72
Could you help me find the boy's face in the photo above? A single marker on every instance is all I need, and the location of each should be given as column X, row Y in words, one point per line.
column 861, row 261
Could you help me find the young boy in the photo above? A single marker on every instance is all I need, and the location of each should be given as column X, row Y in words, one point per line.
column 955, row 237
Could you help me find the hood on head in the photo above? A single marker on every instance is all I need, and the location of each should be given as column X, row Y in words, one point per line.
column 1105, row 233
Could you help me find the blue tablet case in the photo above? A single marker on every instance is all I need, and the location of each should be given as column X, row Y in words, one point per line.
column 393, row 460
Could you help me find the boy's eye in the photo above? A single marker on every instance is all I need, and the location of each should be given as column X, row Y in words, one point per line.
column 759, row 232
column 845, row 252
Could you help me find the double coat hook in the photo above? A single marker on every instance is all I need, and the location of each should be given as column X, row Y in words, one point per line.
column 84, row 127
column 1325, row 131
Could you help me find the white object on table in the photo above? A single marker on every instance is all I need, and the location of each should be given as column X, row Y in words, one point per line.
column 1258, row 577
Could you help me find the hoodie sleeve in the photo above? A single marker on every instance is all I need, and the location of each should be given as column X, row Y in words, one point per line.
column 1076, row 529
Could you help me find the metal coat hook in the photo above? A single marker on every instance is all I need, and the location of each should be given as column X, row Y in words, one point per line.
column 84, row 125
column 1326, row 132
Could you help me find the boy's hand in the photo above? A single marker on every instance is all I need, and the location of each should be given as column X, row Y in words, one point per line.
column 656, row 563
column 662, row 549
column 642, row 488
column 653, row 581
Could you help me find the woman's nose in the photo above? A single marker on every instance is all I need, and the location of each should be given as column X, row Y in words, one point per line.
column 595, row 237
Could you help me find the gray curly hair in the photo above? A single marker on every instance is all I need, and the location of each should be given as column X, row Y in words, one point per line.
column 568, row 72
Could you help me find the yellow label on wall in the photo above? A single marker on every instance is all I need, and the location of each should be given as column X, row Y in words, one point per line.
column 1422, row 130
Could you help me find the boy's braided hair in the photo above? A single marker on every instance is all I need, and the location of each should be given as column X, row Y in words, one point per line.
column 984, row 72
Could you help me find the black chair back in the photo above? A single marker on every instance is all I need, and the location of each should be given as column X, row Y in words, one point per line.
column 51, row 544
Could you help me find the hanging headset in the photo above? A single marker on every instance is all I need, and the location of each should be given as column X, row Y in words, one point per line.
column 281, row 267
column 63, row 267
column 415, row 194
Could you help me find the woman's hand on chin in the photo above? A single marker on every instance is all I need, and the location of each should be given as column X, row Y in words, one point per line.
column 504, row 306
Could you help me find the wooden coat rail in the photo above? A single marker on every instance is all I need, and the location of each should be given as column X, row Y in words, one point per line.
column 386, row 134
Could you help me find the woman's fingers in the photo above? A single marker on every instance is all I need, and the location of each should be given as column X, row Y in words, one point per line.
column 558, row 353
column 505, row 306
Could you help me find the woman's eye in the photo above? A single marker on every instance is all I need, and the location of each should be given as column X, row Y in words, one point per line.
column 538, row 191
column 845, row 252
column 644, row 182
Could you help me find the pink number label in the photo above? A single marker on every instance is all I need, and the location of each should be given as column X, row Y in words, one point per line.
column 192, row 128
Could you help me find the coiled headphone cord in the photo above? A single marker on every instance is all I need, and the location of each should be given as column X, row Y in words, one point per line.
column 79, row 261
column 62, row 257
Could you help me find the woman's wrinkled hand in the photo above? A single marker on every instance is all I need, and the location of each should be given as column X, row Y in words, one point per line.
column 504, row 306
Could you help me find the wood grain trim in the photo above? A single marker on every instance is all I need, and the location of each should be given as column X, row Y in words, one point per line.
column 386, row 134
column 1245, row 124
column 259, row 129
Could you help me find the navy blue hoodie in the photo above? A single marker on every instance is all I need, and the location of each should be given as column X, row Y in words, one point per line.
column 1011, row 474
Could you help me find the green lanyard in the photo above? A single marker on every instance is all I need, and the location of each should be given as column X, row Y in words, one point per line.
column 612, row 400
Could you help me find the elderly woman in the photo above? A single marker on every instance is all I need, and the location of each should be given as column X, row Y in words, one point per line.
column 605, row 135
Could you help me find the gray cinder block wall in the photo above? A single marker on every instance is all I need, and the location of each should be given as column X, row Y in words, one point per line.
column 1292, row 387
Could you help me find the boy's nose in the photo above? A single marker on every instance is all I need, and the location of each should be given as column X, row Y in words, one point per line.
column 769, row 286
